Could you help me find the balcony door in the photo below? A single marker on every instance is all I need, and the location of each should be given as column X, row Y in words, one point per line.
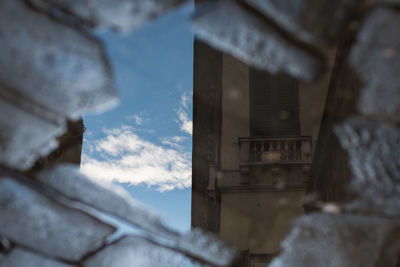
column 274, row 104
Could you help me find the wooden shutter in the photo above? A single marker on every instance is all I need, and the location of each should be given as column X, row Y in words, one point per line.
column 274, row 104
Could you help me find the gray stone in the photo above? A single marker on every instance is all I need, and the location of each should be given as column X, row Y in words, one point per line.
column 22, row 258
column 374, row 153
column 321, row 21
column 342, row 240
column 36, row 132
column 122, row 15
column 374, row 148
column 51, row 64
column 114, row 200
column 5, row 247
column 103, row 196
column 35, row 222
column 230, row 27
column 207, row 247
column 137, row 252
column 376, row 56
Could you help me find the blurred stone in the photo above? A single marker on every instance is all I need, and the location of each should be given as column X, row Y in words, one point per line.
column 326, row 240
column 374, row 150
column 376, row 56
column 207, row 246
column 51, row 64
column 121, row 15
column 34, row 221
column 321, row 21
column 5, row 247
column 230, row 27
column 114, row 200
column 137, row 252
column 25, row 134
column 23, row 258
column 104, row 196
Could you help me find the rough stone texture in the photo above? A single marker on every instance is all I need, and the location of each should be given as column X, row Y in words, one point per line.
column 113, row 199
column 22, row 258
column 5, row 247
column 321, row 21
column 137, row 252
column 117, row 14
column 230, row 27
column 49, row 70
column 374, row 153
column 103, row 196
column 206, row 246
column 18, row 126
column 376, row 56
column 34, row 221
column 51, row 64
column 341, row 241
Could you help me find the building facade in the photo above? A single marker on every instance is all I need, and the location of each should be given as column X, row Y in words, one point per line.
column 254, row 136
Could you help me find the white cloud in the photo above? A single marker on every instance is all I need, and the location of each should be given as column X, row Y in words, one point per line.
column 186, row 98
column 88, row 133
column 173, row 141
column 178, row 139
column 137, row 118
column 127, row 158
column 185, row 124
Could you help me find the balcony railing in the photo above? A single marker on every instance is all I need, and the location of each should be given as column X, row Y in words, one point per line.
column 271, row 150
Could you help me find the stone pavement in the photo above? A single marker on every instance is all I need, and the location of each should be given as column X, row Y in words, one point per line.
column 52, row 70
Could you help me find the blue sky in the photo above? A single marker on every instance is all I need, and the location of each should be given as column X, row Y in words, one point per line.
column 145, row 143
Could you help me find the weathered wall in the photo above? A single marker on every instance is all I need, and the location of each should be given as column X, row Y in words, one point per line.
column 235, row 110
column 206, row 128
column 258, row 221
column 312, row 98
column 235, row 107
column 330, row 173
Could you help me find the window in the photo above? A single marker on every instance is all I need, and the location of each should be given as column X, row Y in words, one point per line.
column 274, row 104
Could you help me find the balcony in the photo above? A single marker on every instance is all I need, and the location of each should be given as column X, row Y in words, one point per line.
column 271, row 150
column 274, row 152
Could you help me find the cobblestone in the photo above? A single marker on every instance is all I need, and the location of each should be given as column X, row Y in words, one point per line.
column 325, row 24
column 122, row 15
column 231, row 28
column 106, row 197
column 51, row 64
column 376, row 56
column 372, row 146
column 340, row 241
column 137, row 252
column 22, row 258
column 37, row 133
column 36, row 222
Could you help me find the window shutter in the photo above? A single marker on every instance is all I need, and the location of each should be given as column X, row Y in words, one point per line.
column 274, row 104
